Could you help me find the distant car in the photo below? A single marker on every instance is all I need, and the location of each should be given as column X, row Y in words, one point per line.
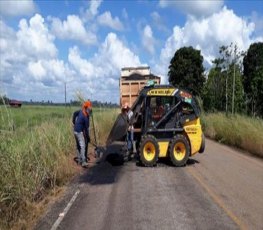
column 15, row 103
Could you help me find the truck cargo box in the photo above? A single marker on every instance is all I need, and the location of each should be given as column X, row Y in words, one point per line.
column 132, row 80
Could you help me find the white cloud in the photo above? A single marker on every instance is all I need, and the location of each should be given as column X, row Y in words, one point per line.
column 101, row 72
column 208, row 34
column 195, row 7
column 110, row 58
column 156, row 16
column 7, row 38
column 116, row 54
column 106, row 19
column 58, row 70
column 92, row 10
column 30, row 67
column 34, row 39
column 84, row 67
column 148, row 40
column 72, row 29
column 125, row 14
column 49, row 72
column 17, row 8
column 29, row 64
column 37, row 70
column 158, row 22
column 31, row 42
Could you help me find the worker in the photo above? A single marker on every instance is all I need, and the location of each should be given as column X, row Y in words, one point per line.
column 159, row 110
column 74, row 119
column 81, row 132
column 130, row 133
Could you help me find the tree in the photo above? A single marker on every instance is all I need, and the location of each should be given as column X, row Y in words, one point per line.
column 253, row 78
column 186, row 70
column 231, row 58
column 4, row 100
column 235, row 88
column 214, row 89
column 224, row 88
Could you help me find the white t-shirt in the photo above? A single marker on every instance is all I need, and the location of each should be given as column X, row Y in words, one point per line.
column 129, row 114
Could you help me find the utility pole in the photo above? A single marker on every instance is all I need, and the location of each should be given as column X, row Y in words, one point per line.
column 65, row 89
column 234, row 80
column 233, row 92
column 226, row 93
column 237, row 55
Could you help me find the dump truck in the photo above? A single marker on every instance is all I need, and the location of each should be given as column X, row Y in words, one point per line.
column 175, row 134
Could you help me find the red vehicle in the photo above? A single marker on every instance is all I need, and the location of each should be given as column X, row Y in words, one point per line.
column 15, row 103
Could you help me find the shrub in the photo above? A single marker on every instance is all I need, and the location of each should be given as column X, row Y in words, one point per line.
column 239, row 131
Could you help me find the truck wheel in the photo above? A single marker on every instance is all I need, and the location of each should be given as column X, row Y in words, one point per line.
column 179, row 150
column 149, row 151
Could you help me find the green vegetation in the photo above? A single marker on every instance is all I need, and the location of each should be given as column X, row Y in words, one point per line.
column 232, row 92
column 224, row 89
column 37, row 143
column 239, row 131
column 234, row 84
column 253, row 78
column 186, row 70
column 3, row 100
column 36, row 151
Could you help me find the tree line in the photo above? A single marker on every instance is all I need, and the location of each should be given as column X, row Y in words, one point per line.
column 234, row 84
column 4, row 100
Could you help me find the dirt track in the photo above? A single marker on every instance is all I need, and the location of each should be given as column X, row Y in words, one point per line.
column 220, row 189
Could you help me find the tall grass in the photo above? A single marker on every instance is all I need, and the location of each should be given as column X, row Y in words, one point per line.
column 239, row 131
column 103, row 119
column 36, row 151
column 37, row 147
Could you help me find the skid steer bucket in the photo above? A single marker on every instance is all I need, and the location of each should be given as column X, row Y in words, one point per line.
column 119, row 129
column 115, row 146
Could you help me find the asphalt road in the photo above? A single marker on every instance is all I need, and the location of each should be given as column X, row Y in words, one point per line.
column 219, row 189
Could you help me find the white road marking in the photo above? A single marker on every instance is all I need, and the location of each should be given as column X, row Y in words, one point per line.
column 65, row 211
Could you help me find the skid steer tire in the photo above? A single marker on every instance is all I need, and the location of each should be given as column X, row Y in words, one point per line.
column 179, row 150
column 149, row 151
column 202, row 148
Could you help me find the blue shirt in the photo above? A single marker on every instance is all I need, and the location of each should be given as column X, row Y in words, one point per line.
column 82, row 123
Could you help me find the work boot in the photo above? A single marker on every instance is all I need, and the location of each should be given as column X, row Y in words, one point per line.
column 77, row 160
column 84, row 164
column 131, row 156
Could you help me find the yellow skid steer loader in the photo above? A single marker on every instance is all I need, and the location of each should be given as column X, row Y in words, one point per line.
column 166, row 123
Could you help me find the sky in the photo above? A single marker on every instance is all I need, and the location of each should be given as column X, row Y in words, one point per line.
column 47, row 46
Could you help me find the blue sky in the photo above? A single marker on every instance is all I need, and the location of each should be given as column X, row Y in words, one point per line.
column 45, row 44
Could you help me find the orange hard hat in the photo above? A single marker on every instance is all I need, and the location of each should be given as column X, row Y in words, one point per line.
column 87, row 104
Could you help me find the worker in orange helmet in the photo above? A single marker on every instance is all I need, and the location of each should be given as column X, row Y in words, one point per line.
column 81, row 132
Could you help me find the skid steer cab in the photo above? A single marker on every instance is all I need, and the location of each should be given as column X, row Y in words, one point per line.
column 166, row 123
